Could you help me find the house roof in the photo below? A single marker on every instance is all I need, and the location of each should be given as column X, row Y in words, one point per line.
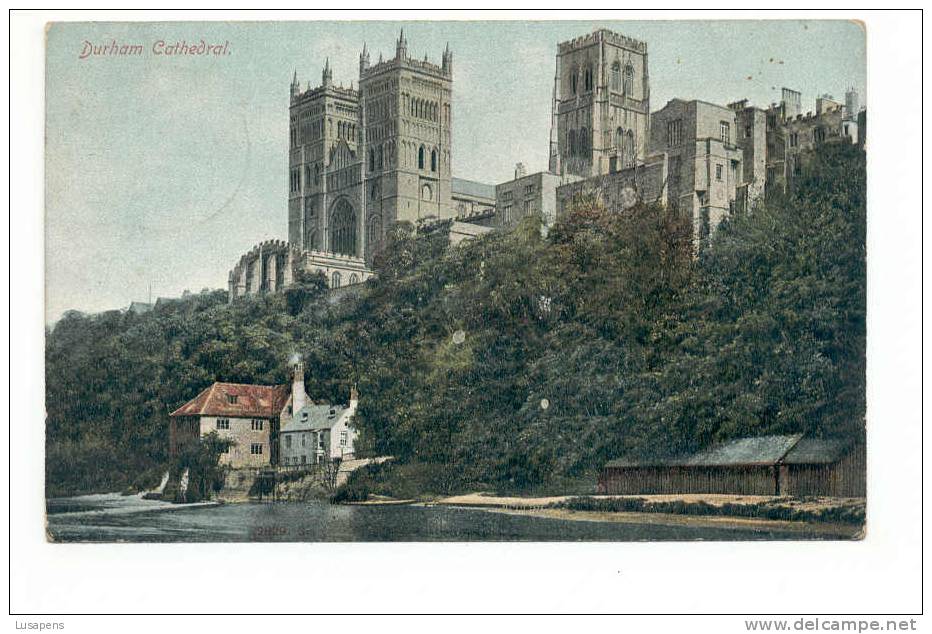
column 759, row 450
column 818, row 451
column 266, row 401
column 313, row 417
column 139, row 307
column 472, row 188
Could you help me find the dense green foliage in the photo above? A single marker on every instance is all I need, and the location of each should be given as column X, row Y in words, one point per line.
column 513, row 362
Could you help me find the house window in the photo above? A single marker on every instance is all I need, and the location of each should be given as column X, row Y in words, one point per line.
column 320, row 440
column 819, row 135
column 674, row 132
column 725, row 131
column 303, row 459
column 225, row 449
column 232, row 399
column 257, row 424
column 343, row 436
column 718, row 172
column 223, row 423
column 288, row 441
column 528, row 190
column 527, row 207
column 794, row 139
column 506, row 214
column 255, row 448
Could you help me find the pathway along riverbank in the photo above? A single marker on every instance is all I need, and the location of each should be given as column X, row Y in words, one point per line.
column 714, row 511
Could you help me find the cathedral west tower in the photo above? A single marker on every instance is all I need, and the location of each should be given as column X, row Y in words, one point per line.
column 406, row 106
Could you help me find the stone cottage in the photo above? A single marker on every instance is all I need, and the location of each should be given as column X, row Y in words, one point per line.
column 318, row 433
column 249, row 415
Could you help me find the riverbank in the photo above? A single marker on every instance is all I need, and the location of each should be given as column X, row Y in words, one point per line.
column 828, row 530
column 115, row 518
column 841, row 518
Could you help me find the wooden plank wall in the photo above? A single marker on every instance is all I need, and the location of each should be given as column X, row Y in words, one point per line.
column 746, row 480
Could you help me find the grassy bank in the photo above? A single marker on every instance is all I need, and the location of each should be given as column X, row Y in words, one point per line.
column 789, row 509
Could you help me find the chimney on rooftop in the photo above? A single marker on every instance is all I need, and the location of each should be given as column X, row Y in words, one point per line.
column 298, row 395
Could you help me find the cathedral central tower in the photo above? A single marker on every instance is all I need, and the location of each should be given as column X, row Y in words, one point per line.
column 601, row 106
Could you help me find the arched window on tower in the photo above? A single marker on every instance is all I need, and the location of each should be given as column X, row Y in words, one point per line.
column 629, row 80
column 378, row 159
column 572, row 142
column 583, row 142
column 629, row 148
column 589, row 79
column 433, row 160
column 420, row 158
column 343, row 228
column 574, row 79
column 616, row 77
column 335, row 280
column 371, row 160
column 619, row 140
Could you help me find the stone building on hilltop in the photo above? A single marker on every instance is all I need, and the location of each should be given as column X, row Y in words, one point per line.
column 359, row 161
column 362, row 159
column 601, row 108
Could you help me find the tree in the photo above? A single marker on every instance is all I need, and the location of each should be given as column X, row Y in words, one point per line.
column 201, row 461
column 306, row 287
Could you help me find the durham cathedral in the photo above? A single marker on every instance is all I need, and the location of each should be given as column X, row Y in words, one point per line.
column 360, row 160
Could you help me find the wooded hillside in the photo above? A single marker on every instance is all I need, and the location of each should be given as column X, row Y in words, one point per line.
column 512, row 362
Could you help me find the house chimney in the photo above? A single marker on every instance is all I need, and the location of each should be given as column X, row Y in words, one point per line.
column 298, row 395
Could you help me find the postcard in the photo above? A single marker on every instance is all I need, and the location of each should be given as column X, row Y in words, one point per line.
column 455, row 281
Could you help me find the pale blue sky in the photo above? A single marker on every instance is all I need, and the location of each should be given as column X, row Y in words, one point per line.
column 163, row 171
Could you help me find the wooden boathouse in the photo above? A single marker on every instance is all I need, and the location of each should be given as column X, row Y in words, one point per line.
column 764, row 465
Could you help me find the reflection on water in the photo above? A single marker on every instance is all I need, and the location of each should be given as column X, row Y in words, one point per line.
column 112, row 517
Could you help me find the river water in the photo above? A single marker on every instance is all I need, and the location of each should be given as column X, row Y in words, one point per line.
column 112, row 517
